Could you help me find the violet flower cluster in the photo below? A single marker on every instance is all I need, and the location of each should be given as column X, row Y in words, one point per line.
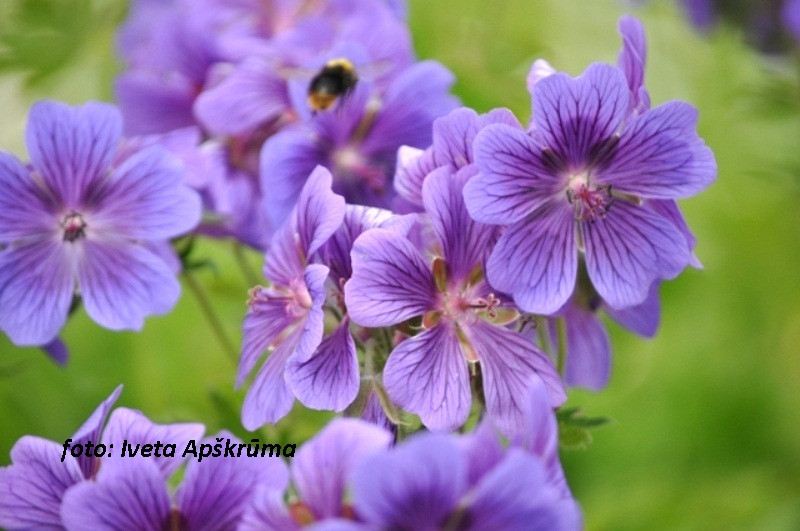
column 519, row 237
column 236, row 75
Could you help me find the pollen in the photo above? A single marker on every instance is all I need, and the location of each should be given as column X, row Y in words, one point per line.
column 591, row 202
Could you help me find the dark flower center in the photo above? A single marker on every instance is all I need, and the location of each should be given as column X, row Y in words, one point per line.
column 73, row 226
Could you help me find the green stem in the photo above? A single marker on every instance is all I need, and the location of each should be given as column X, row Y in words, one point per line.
column 211, row 317
column 249, row 275
column 544, row 336
column 561, row 360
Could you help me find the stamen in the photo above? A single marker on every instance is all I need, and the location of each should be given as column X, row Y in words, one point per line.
column 589, row 203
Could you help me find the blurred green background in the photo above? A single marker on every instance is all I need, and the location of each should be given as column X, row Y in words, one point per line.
column 707, row 430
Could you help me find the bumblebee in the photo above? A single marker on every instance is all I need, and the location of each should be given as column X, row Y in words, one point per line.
column 336, row 80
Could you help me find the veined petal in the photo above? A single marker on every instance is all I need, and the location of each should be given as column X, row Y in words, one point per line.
column 252, row 95
column 391, row 281
column 465, row 242
column 427, row 375
column 32, row 487
column 632, row 60
column 413, row 165
column 511, row 365
column 132, row 426
column 37, row 282
column 329, row 379
column 145, row 199
column 588, row 362
column 453, row 135
column 122, row 283
column 660, row 156
column 127, row 494
column 629, row 249
column 413, row 486
column 669, row 209
column 574, row 115
column 214, row 493
column 267, row 511
column 513, row 180
column 287, row 159
column 72, row 147
column 643, row 318
column 319, row 212
column 269, row 399
column 90, row 430
column 264, row 323
column 314, row 325
column 323, row 466
column 536, row 260
column 515, row 495
column 24, row 209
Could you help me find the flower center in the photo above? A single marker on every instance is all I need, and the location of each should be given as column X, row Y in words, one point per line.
column 73, row 226
column 456, row 305
column 590, row 201
column 349, row 162
column 296, row 297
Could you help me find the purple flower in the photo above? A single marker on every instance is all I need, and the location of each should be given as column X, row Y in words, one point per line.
column 428, row 373
column 287, row 317
column 437, row 481
column 358, row 142
column 320, row 474
column 131, row 493
column 74, row 219
column 33, row 486
column 555, row 186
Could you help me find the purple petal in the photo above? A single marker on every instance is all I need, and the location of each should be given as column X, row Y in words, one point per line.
column 324, row 465
column 427, row 375
column 314, row 325
column 24, row 209
column 91, row 428
column 267, row 511
column 252, row 95
column 287, row 159
column 415, row 98
column 72, row 147
column 643, row 318
column 145, row 199
column 511, row 365
column 329, row 379
column 465, row 242
column 357, row 219
column 391, row 281
column 632, row 60
column 574, row 115
column 413, row 165
column 483, row 450
column 132, row 426
column 57, row 350
column 128, row 494
column 513, row 179
column 215, row 492
column 319, row 212
column 670, row 210
column 515, row 495
column 629, row 249
column 540, row 69
column 269, row 398
column 660, row 155
column 37, row 282
column 152, row 104
column 263, row 325
column 588, row 362
column 31, row 488
column 283, row 263
column 122, row 283
column 536, row 260
column 453, row 135
column 790, row 14
column 416, row 485
column 374, row 413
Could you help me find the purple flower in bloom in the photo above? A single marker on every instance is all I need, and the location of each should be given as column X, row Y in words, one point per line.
column 131, row 493
column 358, row 141
column 437, row 481
column 76, row 220
column 288, row 316
column 321, row 472
column 33, row 486
column 576, row 181
column 428, row 373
